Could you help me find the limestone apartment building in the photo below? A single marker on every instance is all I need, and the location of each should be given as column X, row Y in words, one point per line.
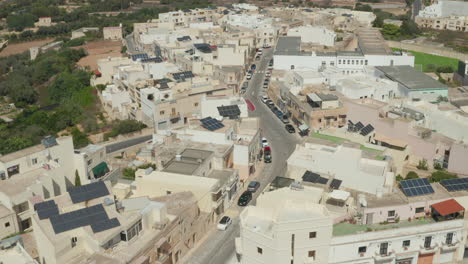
column 444, row 15
column 286, row 227
column 88, row 224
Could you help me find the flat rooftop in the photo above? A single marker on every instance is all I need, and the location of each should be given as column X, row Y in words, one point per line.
column 188, row 162
column 370, row 41
column 288, row 46
column 410, row 77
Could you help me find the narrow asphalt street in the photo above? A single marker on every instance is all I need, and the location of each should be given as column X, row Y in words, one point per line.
column 219, row 246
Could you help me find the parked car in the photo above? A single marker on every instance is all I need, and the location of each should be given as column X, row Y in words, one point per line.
column 245, row 198
column 266, row 46
column 270, row 104
column 257, row 57
column 285, row 119
column 249, row 76
column 268, row 74
column 275, row 109
column 253, row 186
column 264, row 99
column 279, row 114
column 224, row 223
column 267, row 155
column 270, row 67
column 264, row 142
column 290, row 128
column 253, row 67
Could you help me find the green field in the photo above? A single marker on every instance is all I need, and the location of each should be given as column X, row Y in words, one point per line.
column 426, row 59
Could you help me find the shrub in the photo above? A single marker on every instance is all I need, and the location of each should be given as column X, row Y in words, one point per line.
column 422, row 164
column 437, row 166
column 439, row 175
column 412, row 175
column 399, row 178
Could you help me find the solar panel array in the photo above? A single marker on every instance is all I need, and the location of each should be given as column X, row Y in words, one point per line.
column 95, row 216
column 46, row 209
column 416, row 187
column 314, row 178
column 231, row 111
column 335, row 184
column 88, row 192
column 154, row 59
column 211, row 123
column 358, row 126
column 453, row 185
column 141, row 56
column 183, row 75
column 367, row 129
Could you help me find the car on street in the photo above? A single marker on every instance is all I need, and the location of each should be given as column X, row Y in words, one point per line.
column 245, row 198
column 264, row 142
column 266, row 46
column 257, row 57
column 260, row 51
column 264, row 99
column 279, row 114
column 285, row 119
column 290, row 128
column 265, row 86
column 249, row 76
column 270, row 104
column 267, row 74
column 224, row 223
column 274, row 109
column 267, row 155
column 253, row 67
column 253, row 186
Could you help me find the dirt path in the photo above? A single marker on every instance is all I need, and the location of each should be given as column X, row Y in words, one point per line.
column 21, row 47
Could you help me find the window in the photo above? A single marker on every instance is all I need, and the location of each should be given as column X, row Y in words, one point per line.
column 352, row 62
column 427, row 242
column 406, row 243
column 195, row 104
column 383, row 248
column 90, row 161
column 312, row 254
column 391, row 213
column 339, row 61
column 7, row 224
column 34, row 161
column 348, row 62
column 419, row 210
column 449, row 239
column 365, row 62
column 292, row 67
column 168, row 192
column 259, row 250
column 362, row 250
column 161, row 112
column 13, row 170
column 73, row 241
column 56, row 160
column 312, row 234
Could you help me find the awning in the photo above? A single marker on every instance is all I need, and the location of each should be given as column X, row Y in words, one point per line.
column 303, row 127
column 339, row 195
column 391, row 141
column 100, row 170
column 448, row 207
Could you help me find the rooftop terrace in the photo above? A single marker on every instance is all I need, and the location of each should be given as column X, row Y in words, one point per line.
column 343, row 229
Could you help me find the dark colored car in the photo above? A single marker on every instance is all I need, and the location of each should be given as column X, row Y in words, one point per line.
column 253, row 67
column 245, row 198
column 290, row 128
column 253, row 186
column 274, row 109
column 279, row 114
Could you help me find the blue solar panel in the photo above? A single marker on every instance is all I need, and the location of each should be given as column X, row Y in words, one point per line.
column 211, row 123
column 416, row 187
column 455, row 184
column 141, row 56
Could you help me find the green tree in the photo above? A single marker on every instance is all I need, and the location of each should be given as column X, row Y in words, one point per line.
column 80, row 139
column 390, row 31
column 411, row 175
column 20, row 22
column 77, row 179
column 129, row 173
column 409, row 28
column 361, row 7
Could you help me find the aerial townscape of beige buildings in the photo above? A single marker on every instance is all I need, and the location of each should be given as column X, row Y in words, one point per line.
column 301, row 125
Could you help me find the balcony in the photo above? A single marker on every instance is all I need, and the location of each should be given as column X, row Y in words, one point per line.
column 384, row 257
column 428, row 250
column 448, row 247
